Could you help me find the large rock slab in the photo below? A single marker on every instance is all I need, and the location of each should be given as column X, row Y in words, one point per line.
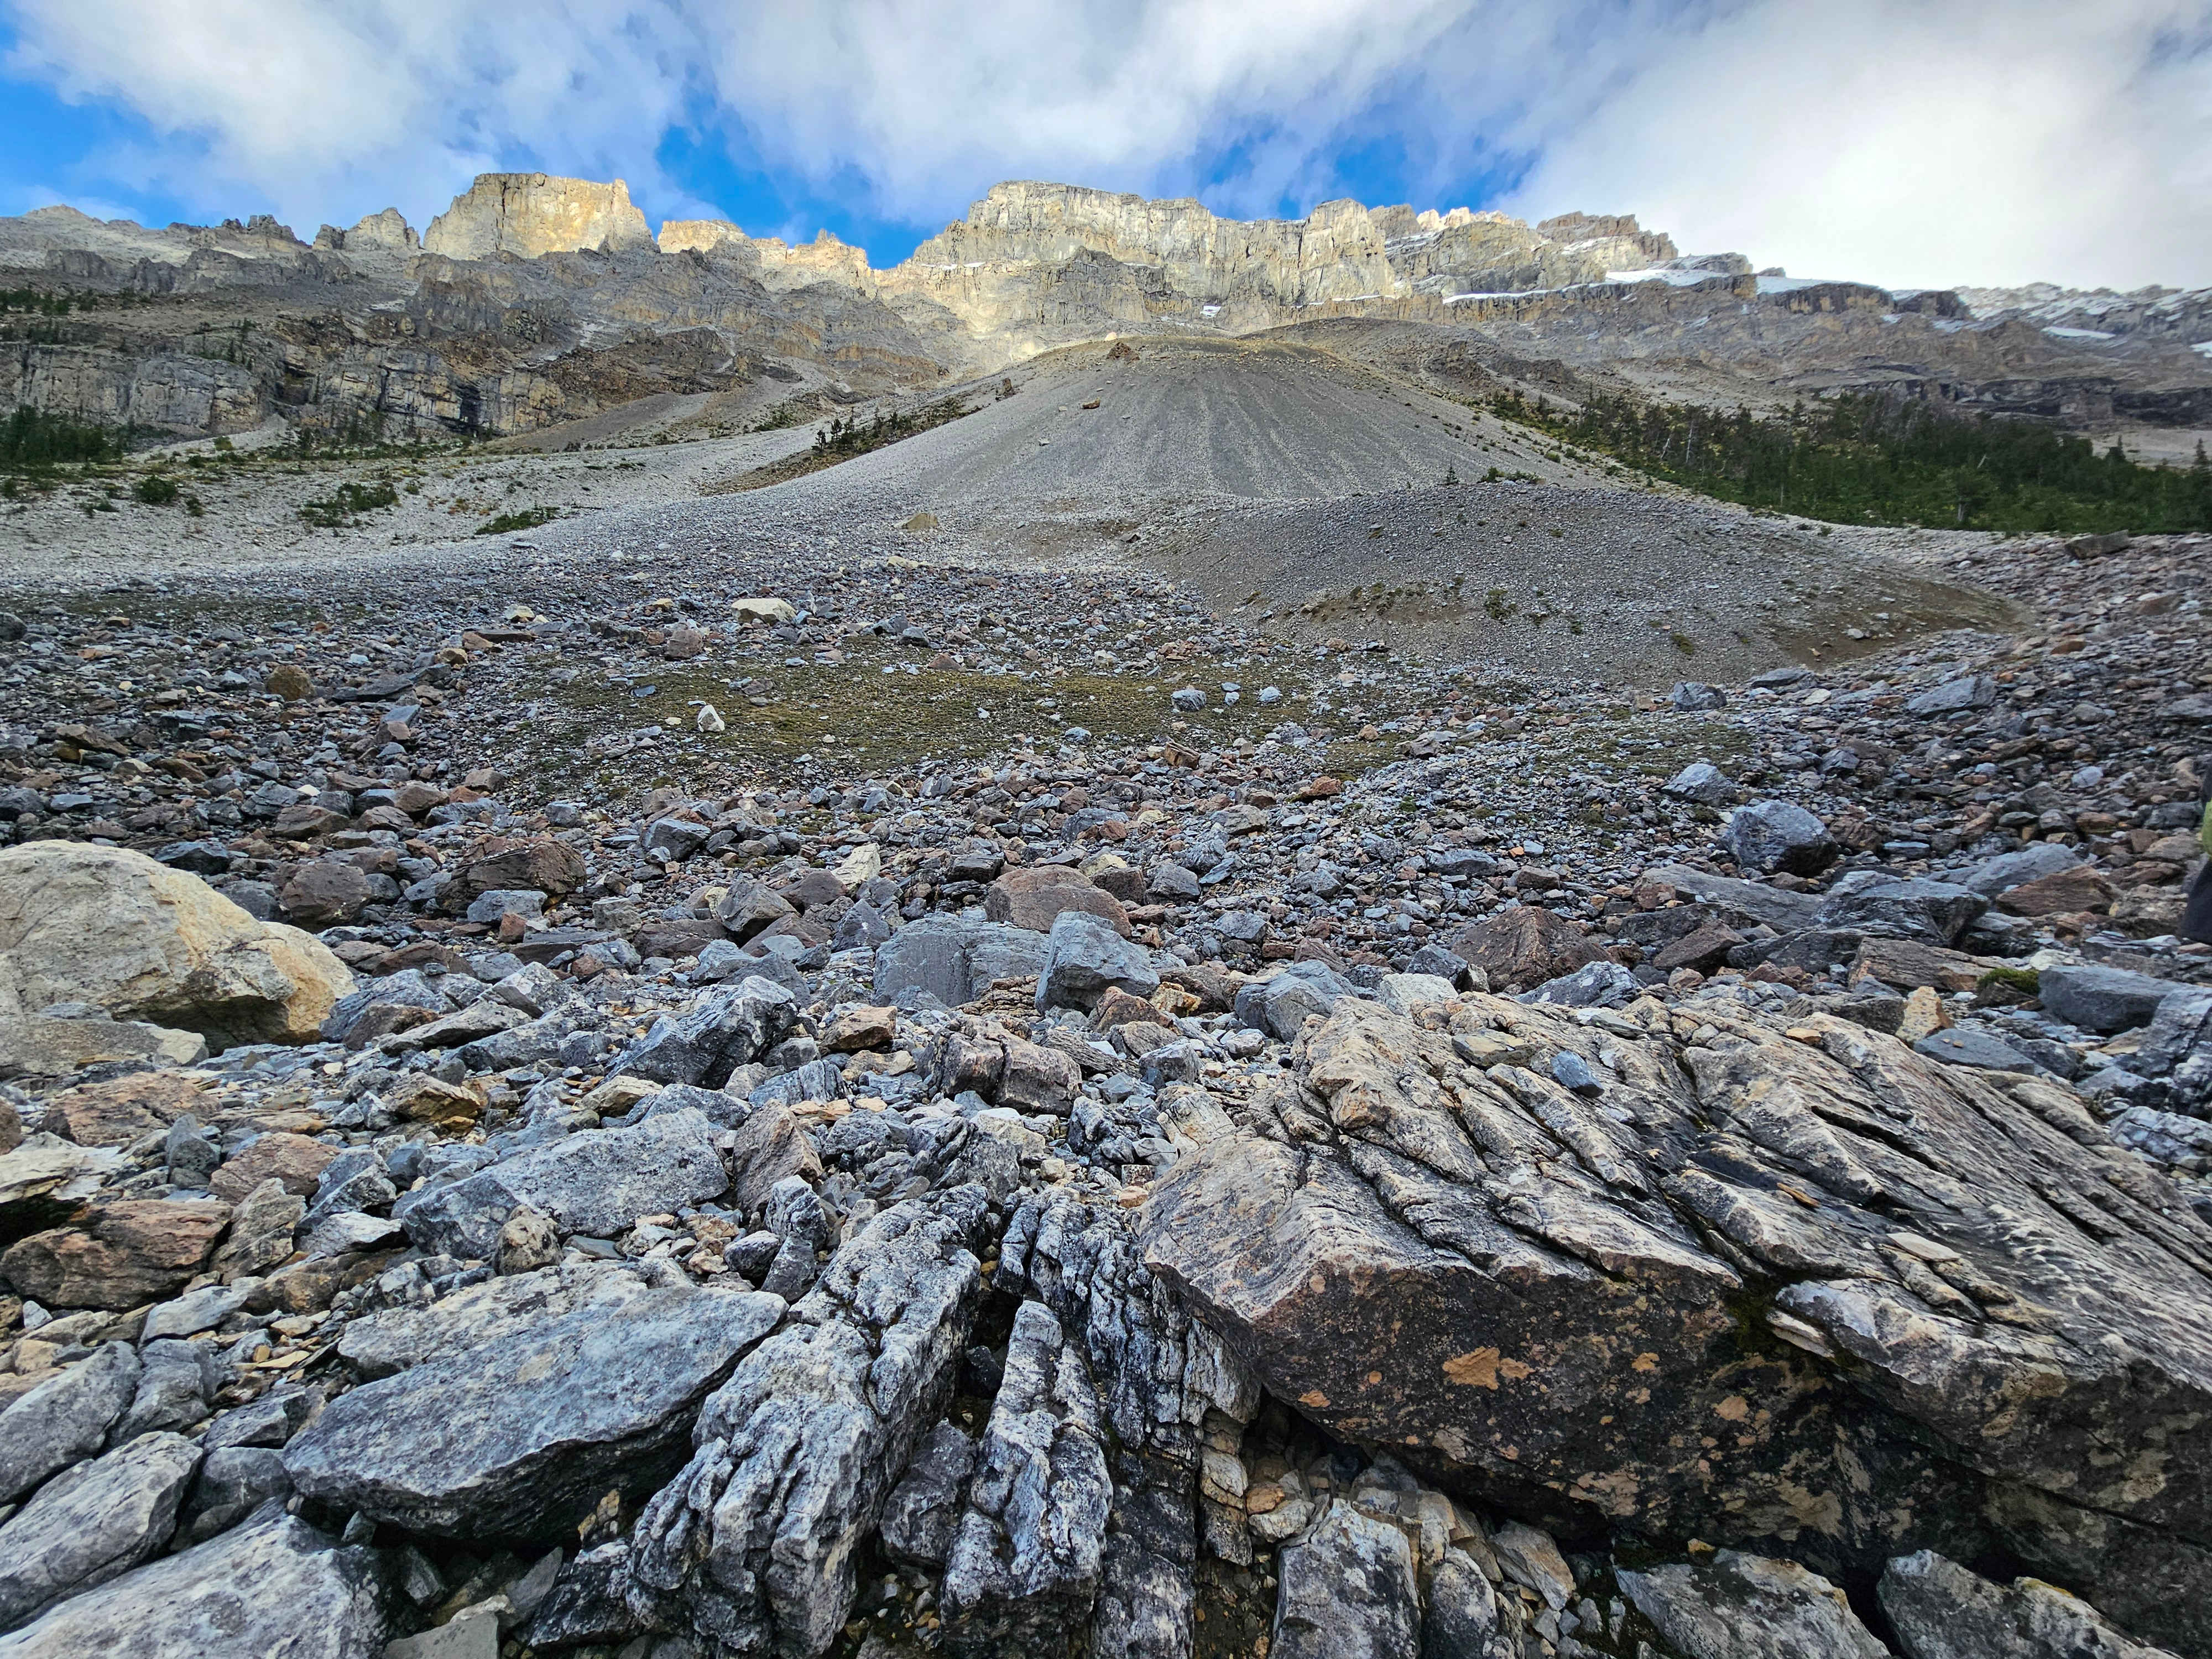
column 66, row 1418
column 98, row 1521
column 1733, row 1606
column 396, row 1338
column 272, row 1588
column 753, row 1543
column 955, row 960
column 1084, row 957
column 1905, row 1303
column 595, row 1183
column 142, row 942
column 1942, row 1611
column 518, row 1437
column 122, row 1255
column 1024, row 1566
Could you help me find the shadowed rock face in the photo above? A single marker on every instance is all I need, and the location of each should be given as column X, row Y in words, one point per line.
column 1817, row 1290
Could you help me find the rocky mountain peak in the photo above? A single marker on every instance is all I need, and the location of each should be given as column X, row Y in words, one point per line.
column 530, row 214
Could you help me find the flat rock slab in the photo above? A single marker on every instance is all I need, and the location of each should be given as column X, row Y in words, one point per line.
column 595, row 1183
column 272, row 1588
column 93, row 1523
column 125, row 1255
column 1746, row 1607
column 520, row 1437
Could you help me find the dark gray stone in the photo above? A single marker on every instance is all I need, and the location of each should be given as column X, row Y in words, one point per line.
column 1888, row 907
column 1595, row 985
column 2099, row 999
column 520, row 1437
column 1963, row 1045
column 924, row 1507
column 273, row 1589
column 595, row 1183
column 753, row 1543
column 1771, row 836
column 176, row 1379
column 953, row 960
column 66, row 1418
column 1280, row 1004
column 1347, row 1592
column 92, row 1524
column 1732, row 1606
column 1084, row 957
column 729, row 1026
column 1942, row 1611
column 1957, row 697
column 2009, row 870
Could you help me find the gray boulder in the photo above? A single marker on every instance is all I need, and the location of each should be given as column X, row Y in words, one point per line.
column 1703, row 782
column 2102, row 999
column 1693, row 696
column 1771, row 835
column 595, row 1183
column 2009, row 870
column 1942, row 1611
column 511, row 1303
column 954, row 960
column 1962, row 1045
column 1084, row 957
column 1733, row 1606
column 66, row 1418
column 234, row 1482
column 175, row 1381
column 1958, row 696
column 727, row 1027
column 1461, row 1618
column 1347, row 1592
column 1281, row 1003
column 519, row 1438
column 1025, row 1567
column 273, row 1589
column 92, row 1524
column 1916, row 907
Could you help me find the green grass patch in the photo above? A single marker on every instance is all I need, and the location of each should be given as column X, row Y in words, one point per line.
column 342, row 510
column 529, row 519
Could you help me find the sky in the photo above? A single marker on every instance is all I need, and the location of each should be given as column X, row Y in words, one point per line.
column 1934, row 142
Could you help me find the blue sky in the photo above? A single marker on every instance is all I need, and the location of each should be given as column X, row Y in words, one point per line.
column 1936, row 141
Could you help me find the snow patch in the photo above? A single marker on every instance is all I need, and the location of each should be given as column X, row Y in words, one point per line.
column 2057, row 333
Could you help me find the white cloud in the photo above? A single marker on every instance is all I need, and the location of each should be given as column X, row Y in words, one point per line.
column 1914, row 144
column 1938, row 142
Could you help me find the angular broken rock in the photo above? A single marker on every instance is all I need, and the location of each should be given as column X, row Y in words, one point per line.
column 1942, row 1611
column 595, row 1183
column 520, row 1437
column 273, row 1586
column 66, row 1418
column 124, row 1255
column 1024, row 1566
column 1733, row 1606
column 727, row 1027
column 955, row 960
column 1523, row 946
column 1908, row 1302
column 92, row 1524
column 1034, row 896
column 752, row 1545
column 924, row 1507
column 1347, row 1592
column 1084, row 957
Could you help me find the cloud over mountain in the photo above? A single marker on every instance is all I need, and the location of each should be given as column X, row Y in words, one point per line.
column 1929, row 143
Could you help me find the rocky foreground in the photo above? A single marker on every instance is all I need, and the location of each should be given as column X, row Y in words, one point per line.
column 1402, row 1162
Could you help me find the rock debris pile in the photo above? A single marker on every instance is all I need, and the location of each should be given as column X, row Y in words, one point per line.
column 1051, row 1124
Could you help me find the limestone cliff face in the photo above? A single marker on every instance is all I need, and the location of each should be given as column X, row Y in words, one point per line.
column 775, row 264
column 528, row 213
column 387, row 232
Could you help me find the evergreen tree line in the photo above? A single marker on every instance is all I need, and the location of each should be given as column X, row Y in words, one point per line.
column 31, row 438
column 1871, row 460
